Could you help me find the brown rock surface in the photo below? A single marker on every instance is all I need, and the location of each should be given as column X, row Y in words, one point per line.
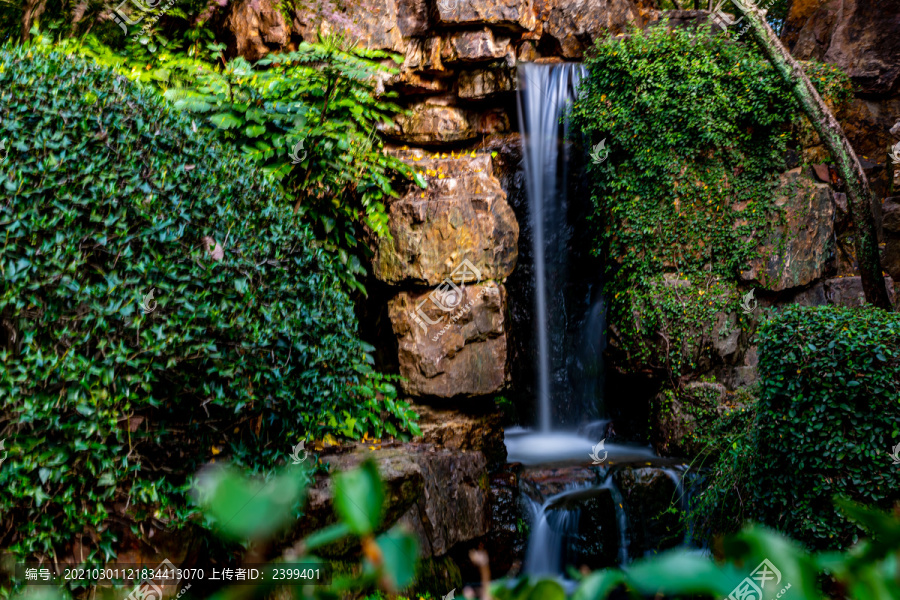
column 468, row 358
column 482, row 83
column 432, row 123
column 463, row 215
column 796, row 253
column 476, row 46
column 514, row 13
column 257, row 28
column 575, row 24
column 378, row 24
column 847, row 291
column 440, row 494
column 454, row 430
column 860, row 36
column 890, row 214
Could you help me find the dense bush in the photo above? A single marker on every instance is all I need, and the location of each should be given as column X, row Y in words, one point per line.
column 696, row 128
column 828, row 417
column 108, row 193
column 308, row 117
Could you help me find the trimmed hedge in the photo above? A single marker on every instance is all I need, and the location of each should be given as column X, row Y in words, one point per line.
column 108, row 193
column 828, row 417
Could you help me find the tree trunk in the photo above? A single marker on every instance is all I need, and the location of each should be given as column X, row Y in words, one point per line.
column 31, row 11
column 859, row 195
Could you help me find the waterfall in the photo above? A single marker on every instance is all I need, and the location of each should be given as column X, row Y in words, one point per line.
column 570, row 337
column 551, row 529
column 544, row 93
column 547, row 542
column 621, row 518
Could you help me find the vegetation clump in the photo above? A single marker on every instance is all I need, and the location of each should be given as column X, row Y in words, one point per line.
column 697, row 129
column 156, row 288
column 828, row 419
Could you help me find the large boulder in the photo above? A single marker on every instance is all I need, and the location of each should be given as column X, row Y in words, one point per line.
column 518, row 14
column 255, row 28
column 681, row 417
column 463, row 215
column 454, row 430
column 848, row 291
column 860, row 36
column 461, row 352
column 438, row 493
column 796, row 252
column 478, row 84
column 575, row 24
column 647, row 494
column 434, row 123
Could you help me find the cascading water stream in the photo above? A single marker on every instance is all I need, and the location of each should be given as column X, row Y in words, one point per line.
column 550, row 529
column 544, row 93
column 568, row 347
column 621, row 518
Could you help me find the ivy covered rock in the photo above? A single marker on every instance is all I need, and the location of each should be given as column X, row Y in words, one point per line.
column 797, row 251
column 154, row 284
column 692, row 206
column 682, row 417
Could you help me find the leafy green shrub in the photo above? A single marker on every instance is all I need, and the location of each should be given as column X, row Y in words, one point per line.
column 723, row 501
column 321, row 97
column 828, row 416
column 108, row 194
column 697, row 128
column 308, row 118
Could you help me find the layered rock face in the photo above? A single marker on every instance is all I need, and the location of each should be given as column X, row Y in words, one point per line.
column 860, row 36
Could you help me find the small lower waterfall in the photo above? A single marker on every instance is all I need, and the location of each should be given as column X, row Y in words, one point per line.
column 550, row 530
column 621, row 519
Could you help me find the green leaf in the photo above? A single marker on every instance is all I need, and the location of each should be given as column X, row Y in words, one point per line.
column 254, row 130
column 547, row 590
column 680, row 572
column 399, row 552
column 249, row 508
column 225, row 120
column 599, row 584
column 358, row 498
